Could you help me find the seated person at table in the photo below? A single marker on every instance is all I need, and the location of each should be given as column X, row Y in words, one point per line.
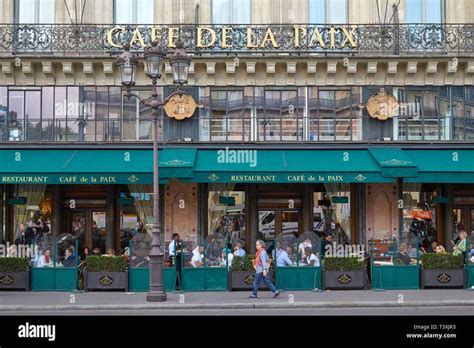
column 432, row 248
column 196, row 260
column 440, row 249
column 310, row 258
column 69, row 259
column 45, row 259
column 402, row 256
column 239, row 251
column 302, row 247
column 282, row 259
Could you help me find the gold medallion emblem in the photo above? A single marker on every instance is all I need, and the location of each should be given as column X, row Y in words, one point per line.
column 444, row 278
column 106, row 280
column 181, row 106
column 344, row 279
column 6, row 280
column 382, row 105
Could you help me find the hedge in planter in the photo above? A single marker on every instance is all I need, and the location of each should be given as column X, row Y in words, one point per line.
column 344, row 273
column 14, row 273
column 442, row 270
column 243, row 273
column 106, row 273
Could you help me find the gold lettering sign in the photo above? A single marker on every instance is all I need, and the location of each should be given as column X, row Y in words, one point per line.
column 382, row 105
column 180, row 107
column 303, row 37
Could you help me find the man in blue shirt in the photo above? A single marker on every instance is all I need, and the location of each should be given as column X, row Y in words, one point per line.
column 281, row 256
column 261, row 270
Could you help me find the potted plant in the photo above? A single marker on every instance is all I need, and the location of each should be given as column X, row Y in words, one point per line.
column 14, row 273
column 242, row 273
column 106, row 273
column 344, row 273
column 442, row 270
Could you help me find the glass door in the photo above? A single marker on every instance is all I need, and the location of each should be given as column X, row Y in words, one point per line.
column 273, row 222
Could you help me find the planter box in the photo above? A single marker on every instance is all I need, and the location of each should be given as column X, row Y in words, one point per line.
column 338, row 280
column 443, row 278
column 15, row 280
column 243, row 280
column 106, row 280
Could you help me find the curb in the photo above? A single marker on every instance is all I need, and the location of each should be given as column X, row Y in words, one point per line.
column 244, row 305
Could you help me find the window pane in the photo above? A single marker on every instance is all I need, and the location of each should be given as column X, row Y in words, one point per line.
column 72, row 113
column 15, row 115
column 89, row 113
column 433, row 11
column 145, row 10
column 60, row 107
column 413, row 11
column 124, row 11
column 337, row 11
column 33, row 115
column 46, row 11
column 26, row 11
column 3, row 113
column 231, row 11
column 316, row 11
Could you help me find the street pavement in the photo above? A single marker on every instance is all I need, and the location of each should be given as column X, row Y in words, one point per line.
column 17, row 302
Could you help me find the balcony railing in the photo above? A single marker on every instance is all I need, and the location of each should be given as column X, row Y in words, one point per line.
column 359, row 39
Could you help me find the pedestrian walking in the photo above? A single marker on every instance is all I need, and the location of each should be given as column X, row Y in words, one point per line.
column 262, row 266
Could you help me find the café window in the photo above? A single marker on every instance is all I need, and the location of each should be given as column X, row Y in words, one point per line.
column 280, row 114
column 134, row 11
column 332, row 212
column 231, row 11
column 419, row 213
column 35, row 11
column 328, row 11
column 423, row 114
column 334, row 114
column 462, row 110
column 226, row 212
column 424, row 11
column 228, row 117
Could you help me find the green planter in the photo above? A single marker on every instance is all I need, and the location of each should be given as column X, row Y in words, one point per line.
column 106, row 273
column 243, row 280
column 14, row 273
column 442, row 271
column 344, row 273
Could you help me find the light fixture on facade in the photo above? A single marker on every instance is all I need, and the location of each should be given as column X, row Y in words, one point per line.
column 180, row 63
column 127, row 63
column 154, row 60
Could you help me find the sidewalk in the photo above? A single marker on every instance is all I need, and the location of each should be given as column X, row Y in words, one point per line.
column 37, row 301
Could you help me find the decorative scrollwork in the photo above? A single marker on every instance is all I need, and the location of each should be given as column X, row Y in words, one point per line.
column 368, row 38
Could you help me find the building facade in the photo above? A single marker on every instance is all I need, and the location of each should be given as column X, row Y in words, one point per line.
column 346, row 117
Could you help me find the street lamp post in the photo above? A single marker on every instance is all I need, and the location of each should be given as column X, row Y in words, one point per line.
column 128, row 63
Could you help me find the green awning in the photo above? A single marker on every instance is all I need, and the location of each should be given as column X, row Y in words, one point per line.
column 394, row 162
column 443, row 166
column 287, row 166
column 176, row 163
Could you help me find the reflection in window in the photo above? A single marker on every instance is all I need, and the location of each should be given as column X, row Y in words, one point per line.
column 226, row 212
column 334, row 114
column 231, row 11
column 134, row 11
column 331, row 213
column 419, row 215
column 422, row 114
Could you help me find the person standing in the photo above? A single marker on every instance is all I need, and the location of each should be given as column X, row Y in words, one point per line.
column 261, row 266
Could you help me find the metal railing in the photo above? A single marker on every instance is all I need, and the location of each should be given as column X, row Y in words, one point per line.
column 385, row 39
column 238, row 128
